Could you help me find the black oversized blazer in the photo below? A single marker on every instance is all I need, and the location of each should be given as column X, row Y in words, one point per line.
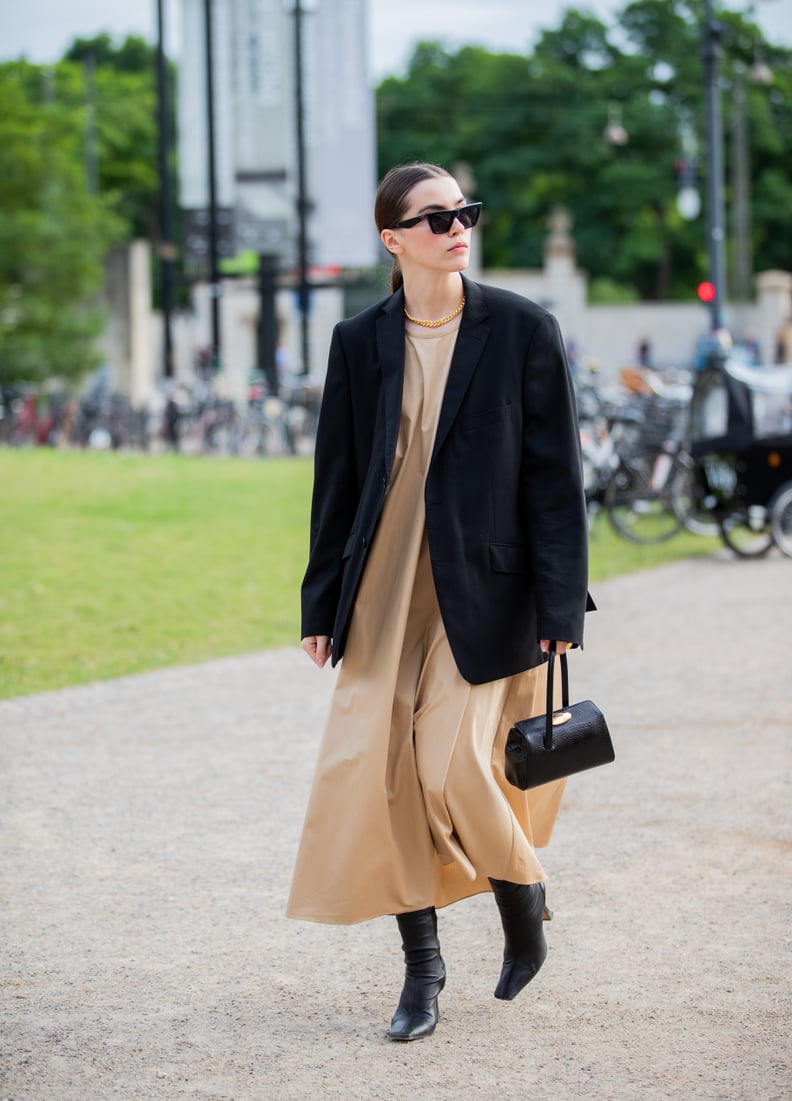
column 505, row 512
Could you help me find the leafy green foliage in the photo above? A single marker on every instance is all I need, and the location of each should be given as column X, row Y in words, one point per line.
column 53, row 232
column 117, row 84
column 133, row 55
column 531, row 130
column 78, row 172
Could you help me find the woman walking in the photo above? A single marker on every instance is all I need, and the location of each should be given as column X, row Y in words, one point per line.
column 448, row 548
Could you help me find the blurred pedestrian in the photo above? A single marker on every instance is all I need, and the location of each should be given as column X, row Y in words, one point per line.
column 714, row 347
column 172, row 423
column 751, row 349
column 644, row 352
column 448, row 550
column 784, row 342
column 572, row 356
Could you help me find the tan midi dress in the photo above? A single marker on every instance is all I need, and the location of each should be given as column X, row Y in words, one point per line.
column 409, row 806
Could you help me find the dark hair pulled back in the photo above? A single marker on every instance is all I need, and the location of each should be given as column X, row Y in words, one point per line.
column 393, row 196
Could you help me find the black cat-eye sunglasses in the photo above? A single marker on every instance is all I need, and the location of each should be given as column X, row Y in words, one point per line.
column 440, row 221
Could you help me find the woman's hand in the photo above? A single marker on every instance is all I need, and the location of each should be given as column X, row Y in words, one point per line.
column 561, row 647
column 317, row 647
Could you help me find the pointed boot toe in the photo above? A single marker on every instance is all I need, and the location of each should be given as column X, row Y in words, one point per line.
column 516, row 974
column 417, row 1013
column 522, row 909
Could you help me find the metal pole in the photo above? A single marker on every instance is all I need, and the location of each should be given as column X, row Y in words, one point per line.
column 715, row 211
column 91, row 159
column 214, row 273
column 268, row 322
column 741, row 201
column 303, row 286
column 166, row 250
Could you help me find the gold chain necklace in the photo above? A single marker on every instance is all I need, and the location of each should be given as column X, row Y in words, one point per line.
column 442, row 320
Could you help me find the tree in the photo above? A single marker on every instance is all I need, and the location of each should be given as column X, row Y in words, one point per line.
column 121, row 79
column 53, row 234
column 118, row 85
column 78, row 171
column 133, row 55
column 531, row 128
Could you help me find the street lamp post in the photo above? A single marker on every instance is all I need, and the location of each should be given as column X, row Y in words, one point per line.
column 214, row 271
column 614, row 133
column 759, row 73
column 741, row 203
column 715, row 206
column 303, row 284
column 166, row 249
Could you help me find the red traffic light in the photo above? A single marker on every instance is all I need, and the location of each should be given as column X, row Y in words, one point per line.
column 706, row 292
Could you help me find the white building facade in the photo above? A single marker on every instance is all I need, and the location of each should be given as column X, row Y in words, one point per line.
column 255, row 122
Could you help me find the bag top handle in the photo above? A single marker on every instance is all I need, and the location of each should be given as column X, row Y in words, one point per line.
column 548, row 738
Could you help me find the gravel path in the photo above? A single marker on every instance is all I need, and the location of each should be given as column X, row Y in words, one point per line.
column 148, row 827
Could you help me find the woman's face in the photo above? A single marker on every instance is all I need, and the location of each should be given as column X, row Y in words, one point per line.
column 419, row 248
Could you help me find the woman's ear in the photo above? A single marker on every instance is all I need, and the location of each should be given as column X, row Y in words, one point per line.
column 390, row 241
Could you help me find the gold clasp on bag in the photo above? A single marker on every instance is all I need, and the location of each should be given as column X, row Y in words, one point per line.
column 561, row 717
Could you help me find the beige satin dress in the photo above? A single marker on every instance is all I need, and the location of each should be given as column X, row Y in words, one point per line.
column 409, row 806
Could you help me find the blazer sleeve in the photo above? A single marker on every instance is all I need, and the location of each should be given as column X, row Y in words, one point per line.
column 552, row 488
column 335, row 497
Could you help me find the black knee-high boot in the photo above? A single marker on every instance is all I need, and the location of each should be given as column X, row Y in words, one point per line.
column 424, row 976
column 522, row 910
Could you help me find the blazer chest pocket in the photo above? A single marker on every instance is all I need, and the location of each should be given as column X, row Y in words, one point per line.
column 487, row 417
column 508, row 558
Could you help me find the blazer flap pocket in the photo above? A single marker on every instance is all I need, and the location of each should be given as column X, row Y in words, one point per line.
column 487, row 416
column 508, row 557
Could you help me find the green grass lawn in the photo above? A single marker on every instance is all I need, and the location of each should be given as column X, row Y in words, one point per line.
column 114, row 564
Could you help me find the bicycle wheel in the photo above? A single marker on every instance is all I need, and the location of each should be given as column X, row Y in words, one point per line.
column 781, row 519
column 638, row 497
column 747, row 531
column 686, row 497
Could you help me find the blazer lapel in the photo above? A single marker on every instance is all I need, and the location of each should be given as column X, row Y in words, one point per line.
column 470, row 342
column 390, row 354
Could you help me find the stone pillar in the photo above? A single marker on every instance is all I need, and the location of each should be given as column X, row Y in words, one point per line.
column 141, row 365
column 774, row 309
column 566, row 286
column 127, row 341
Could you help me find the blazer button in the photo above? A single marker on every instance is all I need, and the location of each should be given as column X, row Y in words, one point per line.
column 364, row 541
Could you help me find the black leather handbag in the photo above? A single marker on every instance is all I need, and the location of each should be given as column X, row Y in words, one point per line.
column 557, row 744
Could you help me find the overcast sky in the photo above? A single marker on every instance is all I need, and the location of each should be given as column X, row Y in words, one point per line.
column 42, row 29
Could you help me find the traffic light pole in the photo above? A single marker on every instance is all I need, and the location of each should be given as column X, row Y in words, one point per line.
column 716, row 234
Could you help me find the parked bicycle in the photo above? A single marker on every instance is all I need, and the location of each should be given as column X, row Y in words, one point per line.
column 742, row 446
column 282, row 425
column 637, row 464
